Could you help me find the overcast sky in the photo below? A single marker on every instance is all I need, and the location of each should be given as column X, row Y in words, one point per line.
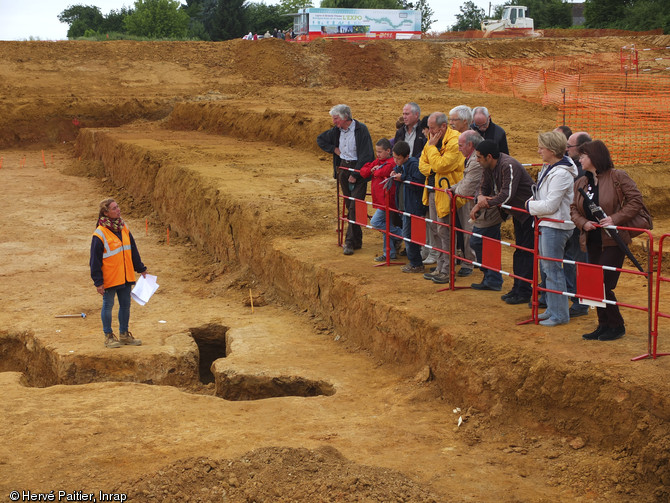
column 23, row 19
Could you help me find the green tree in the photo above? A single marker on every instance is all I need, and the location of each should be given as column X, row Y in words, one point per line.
column 113, row 22
column 647, row 15
column 157, row 19
column 218, row 19
column 261, row 18
column 292, row 6
column 225, row 19
column 423, row 7
column 604, row 13
column 426, row 14
column 196, row 27
column 636, row 15
column 470, row 18
column 81, row 18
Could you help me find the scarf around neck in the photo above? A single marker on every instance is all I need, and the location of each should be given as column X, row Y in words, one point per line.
column 113, row 224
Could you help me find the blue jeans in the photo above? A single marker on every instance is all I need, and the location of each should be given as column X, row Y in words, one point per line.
column 572, row 252
column 491, row 278
column 378, row 221
column 413, row 249
column 123, row 292
column 552, row 244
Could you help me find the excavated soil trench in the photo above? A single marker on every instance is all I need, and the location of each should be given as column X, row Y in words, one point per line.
column 42, row 367
column 233, row 172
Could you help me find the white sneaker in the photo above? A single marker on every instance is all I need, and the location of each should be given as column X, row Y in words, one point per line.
column 429, row 261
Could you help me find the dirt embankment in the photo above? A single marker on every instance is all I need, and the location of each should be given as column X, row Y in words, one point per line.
column 50, row 90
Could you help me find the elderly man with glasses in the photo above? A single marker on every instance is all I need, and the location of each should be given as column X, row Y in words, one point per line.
column 460, row 118
column 482, row 123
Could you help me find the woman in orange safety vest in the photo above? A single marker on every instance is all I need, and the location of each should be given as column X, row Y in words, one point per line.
column 114, row 260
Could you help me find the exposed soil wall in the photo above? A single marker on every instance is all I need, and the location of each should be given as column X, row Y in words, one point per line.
column 47, row 366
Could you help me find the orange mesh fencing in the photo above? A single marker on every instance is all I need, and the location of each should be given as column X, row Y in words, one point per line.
column 595, row 32
column 629, row 112
column 546, row 33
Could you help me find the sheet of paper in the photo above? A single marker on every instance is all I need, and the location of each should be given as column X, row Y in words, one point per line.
column 144, row 289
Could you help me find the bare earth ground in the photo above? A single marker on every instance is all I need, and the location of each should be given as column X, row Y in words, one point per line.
column 216, row 141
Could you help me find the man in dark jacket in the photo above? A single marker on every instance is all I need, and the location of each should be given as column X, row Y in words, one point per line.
column 482, row 123
column 351, row 145
column 505, row 181
column 410, row 131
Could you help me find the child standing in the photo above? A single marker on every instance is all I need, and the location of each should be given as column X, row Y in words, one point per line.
column 379, row 171
column 407, row 170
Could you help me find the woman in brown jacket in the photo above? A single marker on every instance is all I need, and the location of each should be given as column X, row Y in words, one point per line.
column 600, row 184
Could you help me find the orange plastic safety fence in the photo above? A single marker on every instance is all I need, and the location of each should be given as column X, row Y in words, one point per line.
column 628, row 112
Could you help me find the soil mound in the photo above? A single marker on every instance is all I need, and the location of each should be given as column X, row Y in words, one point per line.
column 278, row 475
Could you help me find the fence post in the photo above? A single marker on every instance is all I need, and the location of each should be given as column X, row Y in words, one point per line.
column 340, row 214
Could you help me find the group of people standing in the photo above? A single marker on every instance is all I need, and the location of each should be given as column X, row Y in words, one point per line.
column 281, row 34
column 466, row 153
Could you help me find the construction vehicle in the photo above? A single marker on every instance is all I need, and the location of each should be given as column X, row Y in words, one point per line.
column 514, row 23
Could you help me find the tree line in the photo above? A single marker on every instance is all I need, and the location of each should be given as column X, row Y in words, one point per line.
column 634, row 15
column 212, row 20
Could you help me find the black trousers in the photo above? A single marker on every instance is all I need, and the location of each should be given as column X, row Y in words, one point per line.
column 354, row 235
column 613, row 256
column 522, row 261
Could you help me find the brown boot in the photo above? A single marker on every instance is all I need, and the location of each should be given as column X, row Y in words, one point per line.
column 127, row 339
column 111, row 341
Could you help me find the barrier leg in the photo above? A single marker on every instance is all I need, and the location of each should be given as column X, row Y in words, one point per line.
column 387, row 233
column 535, row 304
column 340, row 213
column 652, row 339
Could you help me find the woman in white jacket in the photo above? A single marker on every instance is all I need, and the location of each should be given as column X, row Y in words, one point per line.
column 552, row 195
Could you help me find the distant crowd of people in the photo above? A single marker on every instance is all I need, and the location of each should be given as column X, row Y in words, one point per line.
column 281, row 34
column 464, row 152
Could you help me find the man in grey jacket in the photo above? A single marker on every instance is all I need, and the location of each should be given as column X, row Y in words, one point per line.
column 467, row 187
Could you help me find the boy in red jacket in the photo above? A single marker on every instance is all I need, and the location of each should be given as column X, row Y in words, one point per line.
column 379, row 170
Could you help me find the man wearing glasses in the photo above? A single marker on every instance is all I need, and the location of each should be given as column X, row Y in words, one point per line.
column 482, row 123
column 460, row 118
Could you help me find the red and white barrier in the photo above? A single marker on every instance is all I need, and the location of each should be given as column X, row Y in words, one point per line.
column 589, row 276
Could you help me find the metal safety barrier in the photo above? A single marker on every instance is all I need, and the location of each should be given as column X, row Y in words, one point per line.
column 590, row 277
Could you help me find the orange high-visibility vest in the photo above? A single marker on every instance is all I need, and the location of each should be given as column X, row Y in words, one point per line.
column 117, row 259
